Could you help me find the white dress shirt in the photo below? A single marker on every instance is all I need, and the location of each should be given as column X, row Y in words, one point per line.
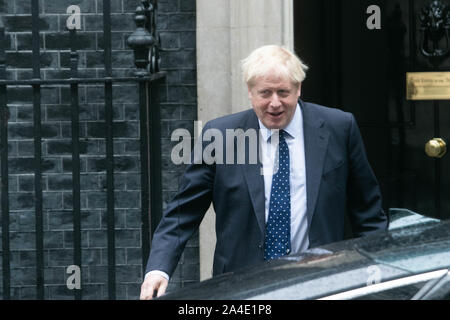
column 295, row 142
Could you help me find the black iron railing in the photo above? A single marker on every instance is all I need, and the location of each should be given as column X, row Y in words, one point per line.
column 4, row 115
column 143, row 41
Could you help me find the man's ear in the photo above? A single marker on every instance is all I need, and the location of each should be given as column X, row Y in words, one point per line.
column 249, row 92
column 299, row 92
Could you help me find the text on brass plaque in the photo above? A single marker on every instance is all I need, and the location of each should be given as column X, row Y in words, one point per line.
column 428, row 85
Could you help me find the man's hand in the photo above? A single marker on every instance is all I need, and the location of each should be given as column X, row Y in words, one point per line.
column 153, row 284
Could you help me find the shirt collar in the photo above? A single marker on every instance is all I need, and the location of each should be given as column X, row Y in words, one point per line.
column 294, row 127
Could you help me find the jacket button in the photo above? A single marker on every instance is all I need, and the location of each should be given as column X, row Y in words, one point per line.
column 260, row 246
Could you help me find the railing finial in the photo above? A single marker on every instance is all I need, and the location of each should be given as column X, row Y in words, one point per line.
column 144, row 40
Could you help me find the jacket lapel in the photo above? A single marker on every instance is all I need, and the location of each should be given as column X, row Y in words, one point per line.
column 316, row 141
column 253, row 176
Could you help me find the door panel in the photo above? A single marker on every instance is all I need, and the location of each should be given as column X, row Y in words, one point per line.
column 364, row 72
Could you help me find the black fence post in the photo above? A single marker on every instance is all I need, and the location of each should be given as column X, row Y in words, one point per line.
column 145, row 43
column 76, row 184
column 4, row 115
column 155, row 155
column 109, row 151
column 37, row 151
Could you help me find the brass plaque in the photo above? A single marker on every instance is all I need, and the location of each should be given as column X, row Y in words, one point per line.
column 428, row 85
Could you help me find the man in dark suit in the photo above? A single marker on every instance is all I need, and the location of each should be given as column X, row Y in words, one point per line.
column 311, row 173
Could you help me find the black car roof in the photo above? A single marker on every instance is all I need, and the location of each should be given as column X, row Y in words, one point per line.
column 397, row 253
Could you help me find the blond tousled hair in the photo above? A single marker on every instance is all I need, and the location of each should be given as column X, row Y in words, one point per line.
column 273, row 60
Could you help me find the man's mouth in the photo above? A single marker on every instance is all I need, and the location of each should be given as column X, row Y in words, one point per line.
column 275, row 114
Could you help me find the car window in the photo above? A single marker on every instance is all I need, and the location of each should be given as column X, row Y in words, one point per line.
column 334, row 282
column 402, row 217
column 440, row 291
column 397, row 289
column 416, row 249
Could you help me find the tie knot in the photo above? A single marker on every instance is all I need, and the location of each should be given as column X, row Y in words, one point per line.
column 282, row 134
column 278, row 136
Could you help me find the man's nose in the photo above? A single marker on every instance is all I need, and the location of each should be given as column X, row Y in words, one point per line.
column 275, row 101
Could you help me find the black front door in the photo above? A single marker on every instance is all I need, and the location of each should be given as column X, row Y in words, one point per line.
column 360, row 65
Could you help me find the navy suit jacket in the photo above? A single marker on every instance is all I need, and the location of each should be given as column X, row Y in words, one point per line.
column 340, row 186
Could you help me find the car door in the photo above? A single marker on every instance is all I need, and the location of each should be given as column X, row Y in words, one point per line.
column 360, row 64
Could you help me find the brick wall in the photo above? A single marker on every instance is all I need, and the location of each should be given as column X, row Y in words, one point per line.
column 176, row 23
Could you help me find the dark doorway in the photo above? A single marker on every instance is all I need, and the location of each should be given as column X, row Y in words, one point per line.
column 363, row 71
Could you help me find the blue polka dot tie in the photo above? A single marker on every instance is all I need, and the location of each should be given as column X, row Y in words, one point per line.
column 278, row 228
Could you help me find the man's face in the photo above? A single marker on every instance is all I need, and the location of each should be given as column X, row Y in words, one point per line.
column 274, row 100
